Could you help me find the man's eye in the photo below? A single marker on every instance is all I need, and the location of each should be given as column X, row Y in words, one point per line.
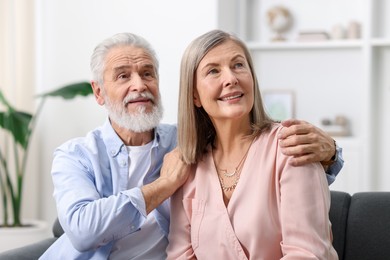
column 148, row 74
column 123, row 76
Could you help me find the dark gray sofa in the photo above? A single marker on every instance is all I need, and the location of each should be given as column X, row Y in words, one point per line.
column 360, row 225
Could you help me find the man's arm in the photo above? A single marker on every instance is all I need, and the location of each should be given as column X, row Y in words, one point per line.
column 173, row 174
column 308, row 143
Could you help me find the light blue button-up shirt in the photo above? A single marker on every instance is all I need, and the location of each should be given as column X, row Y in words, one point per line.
column 95, row 208
column 336, row 167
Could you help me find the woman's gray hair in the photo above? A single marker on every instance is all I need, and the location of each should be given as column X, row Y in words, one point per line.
column 195, row 129
column 120, row 39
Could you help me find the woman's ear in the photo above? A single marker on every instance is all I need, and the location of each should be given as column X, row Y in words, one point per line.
column 197, row 99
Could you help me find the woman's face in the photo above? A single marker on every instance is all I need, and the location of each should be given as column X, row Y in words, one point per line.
column 224, row 83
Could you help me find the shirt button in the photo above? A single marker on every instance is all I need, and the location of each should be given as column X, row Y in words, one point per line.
column 112, row 152
column 123, row 163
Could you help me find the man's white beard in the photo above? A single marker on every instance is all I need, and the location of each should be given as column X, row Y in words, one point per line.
column 139, row 121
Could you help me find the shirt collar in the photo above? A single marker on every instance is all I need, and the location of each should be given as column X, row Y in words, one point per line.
column 113, row 142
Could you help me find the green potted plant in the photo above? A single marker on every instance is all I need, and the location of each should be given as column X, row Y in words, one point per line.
column 19, row 127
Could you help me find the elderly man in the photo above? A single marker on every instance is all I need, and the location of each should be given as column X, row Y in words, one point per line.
column 111, row 186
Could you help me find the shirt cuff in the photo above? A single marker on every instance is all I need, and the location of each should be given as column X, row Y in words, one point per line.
column 334, row 169
column 137, row 200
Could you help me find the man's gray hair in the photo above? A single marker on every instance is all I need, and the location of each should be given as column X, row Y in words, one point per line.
column 120, row 39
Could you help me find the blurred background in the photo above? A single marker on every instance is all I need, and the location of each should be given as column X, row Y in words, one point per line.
column 323, row 61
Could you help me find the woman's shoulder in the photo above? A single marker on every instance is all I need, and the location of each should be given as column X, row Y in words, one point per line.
column 271, row 133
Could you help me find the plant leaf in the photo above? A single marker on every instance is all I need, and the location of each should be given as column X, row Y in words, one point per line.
column 70, row 91
column 4, row 101
column 17, row 123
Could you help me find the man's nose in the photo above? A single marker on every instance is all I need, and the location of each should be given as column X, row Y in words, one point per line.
column 137, row 83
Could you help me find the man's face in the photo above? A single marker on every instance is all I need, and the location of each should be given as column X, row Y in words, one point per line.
column 130, row 89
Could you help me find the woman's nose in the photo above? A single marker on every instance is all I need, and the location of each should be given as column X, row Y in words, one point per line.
column 230, row 78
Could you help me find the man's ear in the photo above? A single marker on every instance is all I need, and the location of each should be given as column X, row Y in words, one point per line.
column 97, row 91
column 197, row 99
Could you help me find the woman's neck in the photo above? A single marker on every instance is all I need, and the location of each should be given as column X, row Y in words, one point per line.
column 231, row 134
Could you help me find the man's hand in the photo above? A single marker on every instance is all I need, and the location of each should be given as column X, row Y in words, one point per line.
column 305, row 142
column 173, row 174
column 174, row 170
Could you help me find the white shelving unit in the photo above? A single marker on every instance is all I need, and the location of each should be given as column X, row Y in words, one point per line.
column 347, row 77
column 258, row 46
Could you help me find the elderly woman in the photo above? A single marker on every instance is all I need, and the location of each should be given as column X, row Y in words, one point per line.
column 244, row 200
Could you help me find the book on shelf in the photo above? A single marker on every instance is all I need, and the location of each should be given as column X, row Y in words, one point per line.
column 307, row 36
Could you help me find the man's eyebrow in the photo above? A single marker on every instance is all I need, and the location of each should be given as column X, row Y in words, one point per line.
column 121, row 68
column 148, row 66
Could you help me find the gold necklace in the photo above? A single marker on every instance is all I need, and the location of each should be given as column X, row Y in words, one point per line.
column 227, row 174
column 228, row 188
column 237, row 171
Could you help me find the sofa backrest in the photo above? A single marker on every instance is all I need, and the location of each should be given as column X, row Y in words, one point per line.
column 368, row 229
column 361, row 225
column 57, row 229
column 338, row 215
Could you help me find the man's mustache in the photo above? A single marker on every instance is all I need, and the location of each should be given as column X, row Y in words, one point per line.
column 134, row 96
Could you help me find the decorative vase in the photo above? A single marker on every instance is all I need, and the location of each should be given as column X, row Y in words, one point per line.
column 13, row 237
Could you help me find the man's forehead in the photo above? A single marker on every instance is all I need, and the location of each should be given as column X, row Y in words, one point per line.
column 128, row 55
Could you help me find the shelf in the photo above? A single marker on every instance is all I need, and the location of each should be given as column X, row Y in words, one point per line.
column 330, row 44
column 331, row 77
column 379, row 42
column 347, row 139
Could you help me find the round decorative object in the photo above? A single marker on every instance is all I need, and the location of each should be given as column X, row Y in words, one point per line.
column 279, row 20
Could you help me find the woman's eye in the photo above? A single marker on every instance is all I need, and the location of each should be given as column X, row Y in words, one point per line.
column 239, row 65
column 212, row 71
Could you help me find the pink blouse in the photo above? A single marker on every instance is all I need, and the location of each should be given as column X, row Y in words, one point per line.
column 277, row 211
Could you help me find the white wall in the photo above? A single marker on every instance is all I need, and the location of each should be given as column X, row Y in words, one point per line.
column 17, row 78
column 67, row 32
